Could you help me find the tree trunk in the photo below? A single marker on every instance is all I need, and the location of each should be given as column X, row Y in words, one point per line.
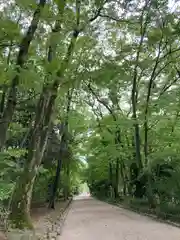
column 146, row 129
column 150, row 195
column 3, row 98
column 134, row 96
column 116, row 187
column 63, row 145
column 20, row 204
column 122, row 171
column 55, row 185
column 110, row 174
column 58, row 173
column 66, row 192
column 21, row 199
column 137, row 144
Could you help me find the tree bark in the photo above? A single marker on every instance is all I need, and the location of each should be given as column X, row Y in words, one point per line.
column 21, row 199
column 55, row 185
column 3, row 99
column 66, row 187
column 116, row 187
column 123, row 177
column 137, row 142
column 110, row 174
column 58, row 173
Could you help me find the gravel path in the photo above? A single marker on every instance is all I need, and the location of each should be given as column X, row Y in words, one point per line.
column 90, row 219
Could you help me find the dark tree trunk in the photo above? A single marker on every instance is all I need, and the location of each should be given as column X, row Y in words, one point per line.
column 55, row 185
column 3, row 99
column 136, row 181
column 146, row 129
column 110, row 174
column 66, row 188
column 134, row 96
column 63, row 146
column 123, row 177
column 116, row 187
column 137, row 144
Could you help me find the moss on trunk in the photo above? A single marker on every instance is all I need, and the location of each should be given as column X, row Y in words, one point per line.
column 21, row 200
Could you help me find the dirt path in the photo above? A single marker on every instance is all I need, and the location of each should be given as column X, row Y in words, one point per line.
column 89, row 219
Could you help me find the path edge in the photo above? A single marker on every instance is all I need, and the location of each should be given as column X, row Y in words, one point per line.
column 52, row 232
column 64, row 216
column 59, row 223
column 152, row 216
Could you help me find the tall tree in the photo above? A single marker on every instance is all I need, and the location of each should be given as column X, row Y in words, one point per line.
column 9, row 109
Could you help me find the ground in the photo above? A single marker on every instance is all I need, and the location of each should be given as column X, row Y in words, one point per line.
column 90, row 219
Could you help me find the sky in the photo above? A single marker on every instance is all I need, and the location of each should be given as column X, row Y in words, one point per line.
column 173, row 4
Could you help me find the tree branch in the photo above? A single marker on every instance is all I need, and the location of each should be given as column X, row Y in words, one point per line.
column 102, row 102
column 116, row 19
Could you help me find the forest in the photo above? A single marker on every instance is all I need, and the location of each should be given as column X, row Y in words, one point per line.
column 89, row 92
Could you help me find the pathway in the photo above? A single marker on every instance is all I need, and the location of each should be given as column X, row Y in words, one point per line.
column 90, row 219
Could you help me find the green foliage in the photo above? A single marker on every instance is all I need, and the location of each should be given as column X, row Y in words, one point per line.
column 5, row 190
column 114, row 57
